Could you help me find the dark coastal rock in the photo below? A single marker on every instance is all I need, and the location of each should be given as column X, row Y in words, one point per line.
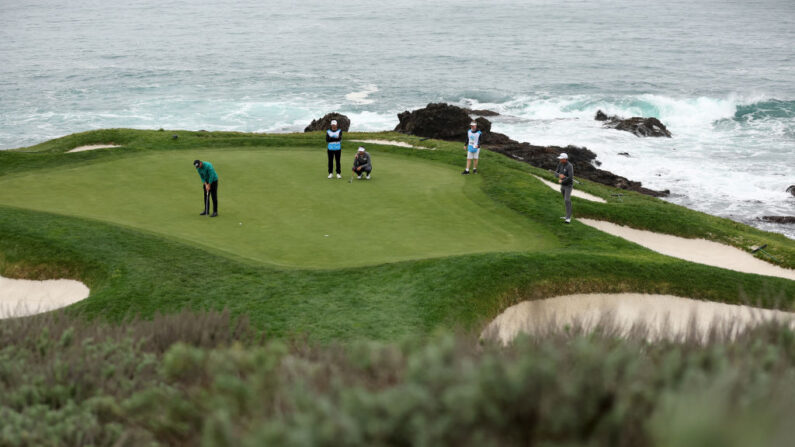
column 448, row 122
column 436, row 120
column 324, row 123
column 624, row 154
column 545, row 157
column 482, row 112
column 791, row 190
column 779, row 219
column 642, row 127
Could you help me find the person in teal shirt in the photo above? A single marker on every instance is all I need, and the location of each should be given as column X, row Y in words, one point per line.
column 209, row 185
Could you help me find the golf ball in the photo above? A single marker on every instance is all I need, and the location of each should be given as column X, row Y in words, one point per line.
column 240, row 223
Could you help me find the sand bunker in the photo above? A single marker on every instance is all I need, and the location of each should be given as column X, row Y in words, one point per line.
column 21, row 297
column 92, row 147
column 575, row 192
column 694, row 250
column 654, row 316
column 392, row 143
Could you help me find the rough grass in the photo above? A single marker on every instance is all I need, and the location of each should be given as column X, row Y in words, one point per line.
column 209, row 379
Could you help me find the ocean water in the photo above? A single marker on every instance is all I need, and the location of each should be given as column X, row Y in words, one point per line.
column 719, row 74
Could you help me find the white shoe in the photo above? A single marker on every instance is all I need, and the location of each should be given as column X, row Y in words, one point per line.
column 338, row 176
column 359, row 176
column 331, row 176
column 567, row 220
column 368, row 176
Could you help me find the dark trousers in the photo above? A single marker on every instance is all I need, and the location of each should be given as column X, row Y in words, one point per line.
column 213, row 194
column 334, row 155
column 363, row 171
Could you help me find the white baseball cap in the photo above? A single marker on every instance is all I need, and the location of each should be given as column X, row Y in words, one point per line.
column 473, row 123
column 333, row 121
column 563, row 156
column 361, row 148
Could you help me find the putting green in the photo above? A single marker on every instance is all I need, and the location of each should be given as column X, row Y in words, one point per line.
column 278, row 207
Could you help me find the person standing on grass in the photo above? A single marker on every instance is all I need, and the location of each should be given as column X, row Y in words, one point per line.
column 473, row 146
column 209, row 185
column 334, row 148
column 565, row 174
column 362, row 163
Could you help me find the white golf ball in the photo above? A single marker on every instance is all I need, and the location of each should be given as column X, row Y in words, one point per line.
column 325, row 235
column 240, row 223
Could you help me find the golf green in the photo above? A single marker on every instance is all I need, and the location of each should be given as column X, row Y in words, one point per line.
column 278, row 207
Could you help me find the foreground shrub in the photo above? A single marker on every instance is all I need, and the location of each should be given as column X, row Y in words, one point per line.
column 169, row 382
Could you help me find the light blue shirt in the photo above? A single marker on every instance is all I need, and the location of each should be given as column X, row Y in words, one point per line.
column 473, row 143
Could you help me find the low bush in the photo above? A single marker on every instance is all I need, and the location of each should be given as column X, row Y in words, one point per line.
column 207, row 379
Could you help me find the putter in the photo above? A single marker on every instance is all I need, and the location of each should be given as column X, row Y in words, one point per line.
column 351, row 180
column 762, row 250
column 556, row 174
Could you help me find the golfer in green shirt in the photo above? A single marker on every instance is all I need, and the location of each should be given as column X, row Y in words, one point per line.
column 209, row 186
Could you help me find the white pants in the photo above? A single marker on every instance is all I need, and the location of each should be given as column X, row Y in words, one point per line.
column 473, row 155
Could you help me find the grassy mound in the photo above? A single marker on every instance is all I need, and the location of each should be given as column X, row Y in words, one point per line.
column 433, row 250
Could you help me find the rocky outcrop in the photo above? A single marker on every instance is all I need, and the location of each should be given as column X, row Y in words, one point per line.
column 448, row 122
column 642, row 127
column 791, row 190
column 436, row 120
column 481, row 112
column 324, row 123
column 584, row 161
column 779, row 219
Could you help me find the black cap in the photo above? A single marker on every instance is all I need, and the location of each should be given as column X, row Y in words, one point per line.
column 196, row 163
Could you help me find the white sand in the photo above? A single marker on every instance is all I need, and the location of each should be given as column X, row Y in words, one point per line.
column 92, row 147
column 392, row 143
column 575, row 192
column 694, row 250
column 21, row 297
column 658, row 316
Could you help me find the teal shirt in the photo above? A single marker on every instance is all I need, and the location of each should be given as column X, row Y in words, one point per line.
column 207, row 172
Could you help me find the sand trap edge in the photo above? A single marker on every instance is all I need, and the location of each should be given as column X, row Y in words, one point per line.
column 576, row 193
column 700, row 251
column 393, row 143
column 92, row 147
column 654, row 317
column 24, row 297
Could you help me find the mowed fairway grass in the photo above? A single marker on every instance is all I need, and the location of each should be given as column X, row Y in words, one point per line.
column 416, row 249
column 278, row 207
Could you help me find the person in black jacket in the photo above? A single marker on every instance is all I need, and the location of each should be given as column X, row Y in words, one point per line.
column 565, row 173
column 362, row 164
column 334, row 148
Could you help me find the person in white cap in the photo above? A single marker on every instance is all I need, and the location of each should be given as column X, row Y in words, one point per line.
column 362, row 165
column 565, row 174
column 334, row 148
column 473, row 146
